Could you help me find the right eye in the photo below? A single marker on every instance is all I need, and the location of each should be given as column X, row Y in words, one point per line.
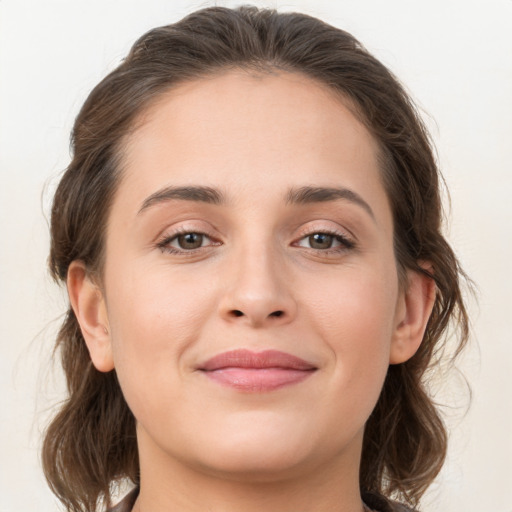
column 185, row 242
column 188, row 241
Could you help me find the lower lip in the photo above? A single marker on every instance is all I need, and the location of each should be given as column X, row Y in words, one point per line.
column 258, row 379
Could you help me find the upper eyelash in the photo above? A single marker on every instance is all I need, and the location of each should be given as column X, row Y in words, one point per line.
column 348, row 242
column 342, row 237
column 163, row 243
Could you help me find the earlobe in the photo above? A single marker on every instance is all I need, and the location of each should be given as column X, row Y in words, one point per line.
column 88, row 304
column 413, row 311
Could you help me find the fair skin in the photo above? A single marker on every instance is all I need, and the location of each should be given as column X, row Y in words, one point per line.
column 270, row 267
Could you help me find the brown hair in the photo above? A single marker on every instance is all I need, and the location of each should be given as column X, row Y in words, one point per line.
column 91, row 442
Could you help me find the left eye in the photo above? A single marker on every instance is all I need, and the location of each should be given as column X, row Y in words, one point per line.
column 323, row 241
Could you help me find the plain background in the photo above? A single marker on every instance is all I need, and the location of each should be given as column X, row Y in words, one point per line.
column 455, row 56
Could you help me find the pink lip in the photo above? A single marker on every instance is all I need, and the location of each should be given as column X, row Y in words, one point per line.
column 257, row 371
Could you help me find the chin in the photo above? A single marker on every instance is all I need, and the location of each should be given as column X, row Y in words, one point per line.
column 254, row 465
column 259, row 452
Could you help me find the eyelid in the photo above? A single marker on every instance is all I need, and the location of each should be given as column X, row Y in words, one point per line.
column 347, row 239
column 163, row 240
column 329, row 227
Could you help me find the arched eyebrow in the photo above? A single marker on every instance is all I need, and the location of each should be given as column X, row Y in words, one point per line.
column 307, row 195
column 189, row 193
column 297, row 196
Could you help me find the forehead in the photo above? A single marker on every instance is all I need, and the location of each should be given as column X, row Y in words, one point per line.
column 265, row 131
column 241, row 99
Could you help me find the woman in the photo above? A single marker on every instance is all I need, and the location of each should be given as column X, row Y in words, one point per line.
column 249, row 232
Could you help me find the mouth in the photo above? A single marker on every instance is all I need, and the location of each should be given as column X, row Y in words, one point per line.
column 250, row 371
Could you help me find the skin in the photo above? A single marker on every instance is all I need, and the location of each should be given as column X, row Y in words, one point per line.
column 161, row 309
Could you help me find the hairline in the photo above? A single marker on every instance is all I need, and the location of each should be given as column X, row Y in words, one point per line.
column 256, row 68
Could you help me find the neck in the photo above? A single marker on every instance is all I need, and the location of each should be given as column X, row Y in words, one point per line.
column 169, row 485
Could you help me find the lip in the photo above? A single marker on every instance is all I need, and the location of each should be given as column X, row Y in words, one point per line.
column 263, row 371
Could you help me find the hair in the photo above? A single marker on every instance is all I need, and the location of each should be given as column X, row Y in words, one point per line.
column 91, row 442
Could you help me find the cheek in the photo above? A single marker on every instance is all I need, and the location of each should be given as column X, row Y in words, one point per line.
column 151, row 306
column 355, row 316
column 153, row 319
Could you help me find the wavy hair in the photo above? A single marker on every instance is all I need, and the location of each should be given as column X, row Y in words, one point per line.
column 91, row 442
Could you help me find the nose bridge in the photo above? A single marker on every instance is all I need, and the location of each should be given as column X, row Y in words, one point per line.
column 258, row 291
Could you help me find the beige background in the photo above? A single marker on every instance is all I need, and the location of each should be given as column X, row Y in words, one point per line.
column 456, row 58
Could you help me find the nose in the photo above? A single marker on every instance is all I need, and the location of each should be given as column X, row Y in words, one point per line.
column 258, row 293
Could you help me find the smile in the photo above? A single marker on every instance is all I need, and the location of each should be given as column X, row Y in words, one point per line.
column 257, row 371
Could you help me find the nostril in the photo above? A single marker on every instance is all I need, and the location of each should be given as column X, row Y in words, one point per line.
column 276, row 314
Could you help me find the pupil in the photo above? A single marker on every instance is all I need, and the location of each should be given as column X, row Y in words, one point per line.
column 320, row 241
column 190, row 241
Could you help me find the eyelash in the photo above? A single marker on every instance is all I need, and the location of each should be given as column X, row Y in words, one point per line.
column 346, row 243
column 164, row 246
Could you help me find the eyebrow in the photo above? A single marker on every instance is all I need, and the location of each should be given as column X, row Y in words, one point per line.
column 308, row 195
column 191, row 193
column 297, row 196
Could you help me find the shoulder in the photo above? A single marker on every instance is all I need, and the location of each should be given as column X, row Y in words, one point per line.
column 376, row 503
column 126, row 504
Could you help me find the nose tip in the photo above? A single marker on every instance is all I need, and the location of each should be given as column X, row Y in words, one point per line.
column 258, row 299
column 258, row 314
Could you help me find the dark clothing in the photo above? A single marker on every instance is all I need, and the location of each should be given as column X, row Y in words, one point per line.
column 380, row 504
column 376, row 503
column 126, row 504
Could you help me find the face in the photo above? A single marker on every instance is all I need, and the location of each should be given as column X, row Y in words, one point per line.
column 250, row 287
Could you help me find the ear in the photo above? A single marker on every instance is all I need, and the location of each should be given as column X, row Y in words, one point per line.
column 413, row 311
column 88, row 303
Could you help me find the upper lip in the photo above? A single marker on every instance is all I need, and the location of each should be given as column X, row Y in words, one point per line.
column 243, row 358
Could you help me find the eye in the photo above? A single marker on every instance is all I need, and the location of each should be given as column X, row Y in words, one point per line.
column 325, row 240
column 185, row 242
column 188, row 241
